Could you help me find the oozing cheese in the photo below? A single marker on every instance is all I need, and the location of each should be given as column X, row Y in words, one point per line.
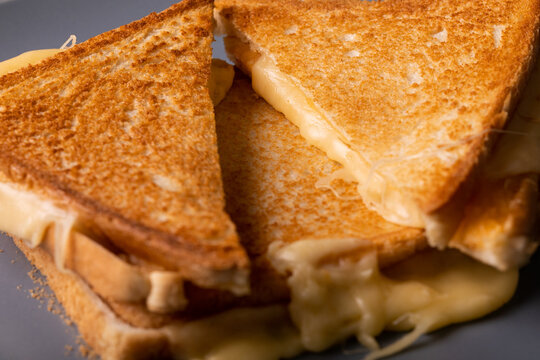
column 279, row 90
column 167, row 292
column 26, row 216
column 249, row 333
column 39, row 222
column 334, row 299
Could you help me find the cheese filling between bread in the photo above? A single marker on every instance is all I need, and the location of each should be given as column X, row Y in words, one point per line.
column 28, row 58
column 334, row 297
column 26, row 216
column 279, row 91
column 40, row 223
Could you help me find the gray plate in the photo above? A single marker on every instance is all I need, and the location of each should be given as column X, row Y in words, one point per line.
column 29, row 331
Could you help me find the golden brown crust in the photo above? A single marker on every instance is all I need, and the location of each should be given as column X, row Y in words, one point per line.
column 93, row 323
column 128, row 112
column 271, row 178
column 425, row 73
column 499, row 225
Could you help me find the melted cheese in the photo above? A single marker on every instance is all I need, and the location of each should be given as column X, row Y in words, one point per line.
column 332, row 300
column 39, row 222
column 27, row 217
column 279, row 90
column 221, row 80
column 28, row 58
column 167, row 293
column 250, row 333
column 31, row 218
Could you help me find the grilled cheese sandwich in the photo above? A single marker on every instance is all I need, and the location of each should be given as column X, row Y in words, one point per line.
column 413, row 292
column 413, row 299
column 368, row 272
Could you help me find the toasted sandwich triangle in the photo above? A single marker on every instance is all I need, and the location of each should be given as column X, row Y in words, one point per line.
column 406, row 93
column 120, row 130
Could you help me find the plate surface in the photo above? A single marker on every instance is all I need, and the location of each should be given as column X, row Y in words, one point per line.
column 29, row 331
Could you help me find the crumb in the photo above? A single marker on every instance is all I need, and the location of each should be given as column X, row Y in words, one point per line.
column 13, row 261
column 36, row 277
column 50, row 307
column 67, row 320
column 68, row 349
column 47, row 299
column 19, row 287
column 85, row 350
column 1, row 251
column 39, row 293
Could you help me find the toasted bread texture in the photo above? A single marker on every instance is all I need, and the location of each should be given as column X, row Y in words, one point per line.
column 278, row 188
column 270, row 203
column 120, row 129
column 500, row 224
column 95, row 322
column 412, row 87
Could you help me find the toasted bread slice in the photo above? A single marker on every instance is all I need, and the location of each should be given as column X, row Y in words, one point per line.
column 403, row 93
column 278, row 188
column 119, row 133
column 499, row 226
